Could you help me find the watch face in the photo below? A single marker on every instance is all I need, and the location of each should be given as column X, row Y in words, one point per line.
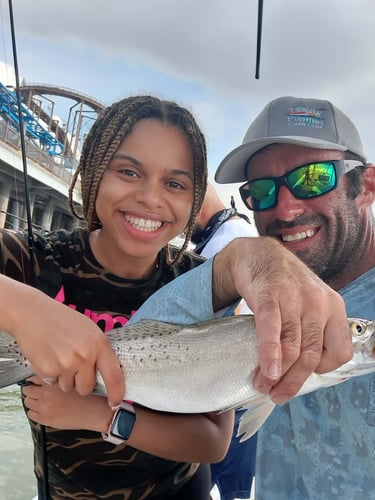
column 123, row 424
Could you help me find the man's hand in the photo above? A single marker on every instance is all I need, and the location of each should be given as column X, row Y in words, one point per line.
column 300, row 321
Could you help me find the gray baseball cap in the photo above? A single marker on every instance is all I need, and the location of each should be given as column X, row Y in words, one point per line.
column 313, row 123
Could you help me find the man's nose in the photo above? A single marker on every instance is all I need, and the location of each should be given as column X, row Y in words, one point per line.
column 288, row 206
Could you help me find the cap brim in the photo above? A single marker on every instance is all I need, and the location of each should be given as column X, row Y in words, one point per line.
column 232, row 168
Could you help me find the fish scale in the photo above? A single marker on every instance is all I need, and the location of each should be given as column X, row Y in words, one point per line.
column 184, row 360
column 204, row 367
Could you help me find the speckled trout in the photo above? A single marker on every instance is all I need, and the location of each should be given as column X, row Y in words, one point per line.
column 204, row 367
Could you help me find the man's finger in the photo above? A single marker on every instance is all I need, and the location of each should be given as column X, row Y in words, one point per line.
column 268, row 327
column 308, row 360
column 337, row 347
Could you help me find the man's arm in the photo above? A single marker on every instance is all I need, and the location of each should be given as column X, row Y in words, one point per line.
column 301, row 322
column 186, row 300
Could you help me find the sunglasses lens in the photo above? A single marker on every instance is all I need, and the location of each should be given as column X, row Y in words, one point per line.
column 304, row 182
column 262, row 194
column 312, row 180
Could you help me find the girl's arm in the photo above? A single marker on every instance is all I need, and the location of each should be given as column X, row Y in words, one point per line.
column 201, row 438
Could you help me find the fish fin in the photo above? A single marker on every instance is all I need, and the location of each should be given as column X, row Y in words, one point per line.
column 142, row 327
column 14, row 367
column 257, row 411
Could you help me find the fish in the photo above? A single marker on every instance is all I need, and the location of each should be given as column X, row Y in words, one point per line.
column 204, row 367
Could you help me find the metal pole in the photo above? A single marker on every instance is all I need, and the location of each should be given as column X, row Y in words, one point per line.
column 259, row 37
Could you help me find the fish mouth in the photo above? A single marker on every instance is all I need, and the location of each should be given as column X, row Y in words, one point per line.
column 141, row 224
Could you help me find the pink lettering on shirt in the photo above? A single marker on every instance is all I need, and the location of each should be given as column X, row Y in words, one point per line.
column 101, row 319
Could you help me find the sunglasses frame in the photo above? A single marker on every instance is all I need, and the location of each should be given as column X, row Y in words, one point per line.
column 341, row 167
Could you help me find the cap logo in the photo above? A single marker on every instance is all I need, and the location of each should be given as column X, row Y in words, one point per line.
column 303, row 116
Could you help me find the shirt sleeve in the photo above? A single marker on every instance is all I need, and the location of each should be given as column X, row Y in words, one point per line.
column 185, row 300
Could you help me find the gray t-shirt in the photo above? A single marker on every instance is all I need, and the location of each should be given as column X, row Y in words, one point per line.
column 321, row 445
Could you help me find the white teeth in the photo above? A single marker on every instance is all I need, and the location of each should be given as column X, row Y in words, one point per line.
column 297, row 236
column 143, row 224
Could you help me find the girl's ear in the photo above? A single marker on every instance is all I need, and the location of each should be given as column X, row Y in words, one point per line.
column 367, row 196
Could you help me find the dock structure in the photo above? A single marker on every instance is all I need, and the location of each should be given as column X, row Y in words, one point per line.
column 56, row 121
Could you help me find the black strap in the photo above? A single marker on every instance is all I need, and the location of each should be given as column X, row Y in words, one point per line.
column 243, row 216
column 213, row 225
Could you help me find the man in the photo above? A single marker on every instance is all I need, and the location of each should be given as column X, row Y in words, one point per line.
column 310, row 188
column 215, row 227
column 319, row 445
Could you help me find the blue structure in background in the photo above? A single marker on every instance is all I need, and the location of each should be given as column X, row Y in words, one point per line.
column 33, row 129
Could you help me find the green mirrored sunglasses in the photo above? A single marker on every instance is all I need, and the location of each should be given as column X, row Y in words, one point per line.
column 304, row 182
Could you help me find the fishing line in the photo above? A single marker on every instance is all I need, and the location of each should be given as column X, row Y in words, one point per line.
column 43, row 443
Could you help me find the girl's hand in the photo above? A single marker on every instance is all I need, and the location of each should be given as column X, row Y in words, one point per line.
column 61, row 344
column 48, row 405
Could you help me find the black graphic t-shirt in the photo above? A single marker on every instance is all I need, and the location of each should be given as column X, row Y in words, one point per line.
column 80, row 464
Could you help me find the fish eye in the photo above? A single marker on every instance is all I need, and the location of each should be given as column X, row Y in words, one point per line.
column 357, row 328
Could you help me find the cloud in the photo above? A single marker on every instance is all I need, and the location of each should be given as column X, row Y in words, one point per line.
column 214, row 40
column 203, row 53
column 7, row 75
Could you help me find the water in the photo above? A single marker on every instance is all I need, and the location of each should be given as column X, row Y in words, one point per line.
column 16, row 453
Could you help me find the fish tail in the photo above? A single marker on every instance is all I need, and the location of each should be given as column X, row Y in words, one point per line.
column 257, row 412
column 14, row 367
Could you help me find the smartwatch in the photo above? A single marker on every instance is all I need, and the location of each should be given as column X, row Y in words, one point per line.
column 121, row 425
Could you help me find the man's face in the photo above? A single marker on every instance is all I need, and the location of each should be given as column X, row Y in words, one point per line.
column 324, row 232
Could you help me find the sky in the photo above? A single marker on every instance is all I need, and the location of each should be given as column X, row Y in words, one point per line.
column 201, row 53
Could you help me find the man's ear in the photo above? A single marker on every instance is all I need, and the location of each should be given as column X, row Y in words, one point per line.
column 367, row 195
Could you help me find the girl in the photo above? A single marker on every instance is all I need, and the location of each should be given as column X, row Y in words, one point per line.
column 143, row 179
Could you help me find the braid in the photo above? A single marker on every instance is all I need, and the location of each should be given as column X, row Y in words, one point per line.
column 104, row 138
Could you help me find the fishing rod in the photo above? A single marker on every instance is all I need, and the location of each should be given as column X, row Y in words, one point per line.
column 30, row 234
column 259, row 37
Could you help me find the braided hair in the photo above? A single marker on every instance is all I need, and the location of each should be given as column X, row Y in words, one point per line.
column 108, row 132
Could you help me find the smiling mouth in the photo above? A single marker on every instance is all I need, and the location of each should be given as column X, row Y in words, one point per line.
column 298, row 236
column 145, row 225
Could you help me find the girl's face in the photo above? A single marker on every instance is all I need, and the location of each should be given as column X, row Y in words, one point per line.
column 144, row 199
